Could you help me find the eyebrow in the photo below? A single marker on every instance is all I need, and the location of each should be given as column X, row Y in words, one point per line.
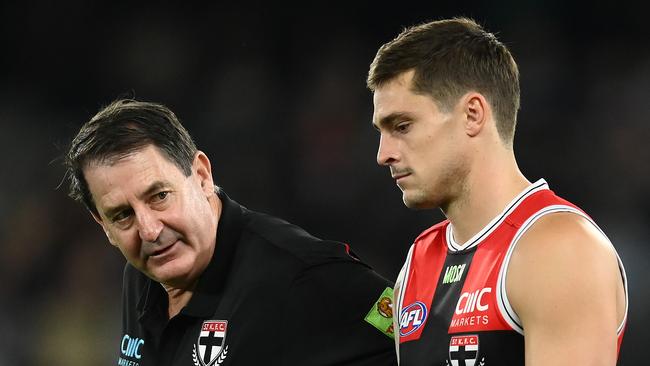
column 391, row 119
column 153, row 187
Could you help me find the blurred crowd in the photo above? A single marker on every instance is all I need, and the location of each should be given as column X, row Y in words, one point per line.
column 277, row 100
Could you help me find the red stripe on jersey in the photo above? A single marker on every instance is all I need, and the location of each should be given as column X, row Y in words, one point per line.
column 426, row 264
column 477, row 308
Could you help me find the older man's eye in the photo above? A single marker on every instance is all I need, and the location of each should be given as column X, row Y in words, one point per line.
column 121, row 216
column 160, row 196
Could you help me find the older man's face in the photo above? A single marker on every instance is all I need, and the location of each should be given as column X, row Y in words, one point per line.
column 163, row 222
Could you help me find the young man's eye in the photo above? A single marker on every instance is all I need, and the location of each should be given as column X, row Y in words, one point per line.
column 403, row 127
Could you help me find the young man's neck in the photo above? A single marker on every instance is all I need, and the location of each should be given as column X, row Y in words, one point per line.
column 490, row 186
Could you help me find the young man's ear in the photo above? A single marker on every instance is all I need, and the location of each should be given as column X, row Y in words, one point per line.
column 202, row 169
column 99, row 220
column 475, row 109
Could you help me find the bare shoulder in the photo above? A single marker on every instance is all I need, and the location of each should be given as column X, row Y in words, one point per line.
column 565, row 285
column 562, row 260
column 564, row 235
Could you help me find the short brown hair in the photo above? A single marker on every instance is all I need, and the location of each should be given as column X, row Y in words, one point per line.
column 451, row 57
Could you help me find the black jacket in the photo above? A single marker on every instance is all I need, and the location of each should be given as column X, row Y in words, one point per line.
column 272, row 295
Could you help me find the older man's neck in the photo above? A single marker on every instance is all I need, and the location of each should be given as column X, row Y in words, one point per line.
column 177, row 298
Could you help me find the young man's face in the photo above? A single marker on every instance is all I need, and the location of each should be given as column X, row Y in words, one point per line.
column 421, row 144
column 163, row 222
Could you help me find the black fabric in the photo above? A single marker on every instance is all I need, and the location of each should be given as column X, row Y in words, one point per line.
column 288, row 298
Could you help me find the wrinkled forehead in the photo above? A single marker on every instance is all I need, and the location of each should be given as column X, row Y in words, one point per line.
column 131, row 174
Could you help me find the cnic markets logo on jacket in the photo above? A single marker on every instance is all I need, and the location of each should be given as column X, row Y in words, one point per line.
column 131, row 348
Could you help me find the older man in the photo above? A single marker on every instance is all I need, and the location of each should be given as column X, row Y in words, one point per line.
column 209, row 282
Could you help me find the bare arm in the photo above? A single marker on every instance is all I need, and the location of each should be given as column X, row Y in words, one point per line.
column 565, row 285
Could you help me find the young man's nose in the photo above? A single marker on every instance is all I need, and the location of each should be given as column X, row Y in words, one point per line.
column 387, row 152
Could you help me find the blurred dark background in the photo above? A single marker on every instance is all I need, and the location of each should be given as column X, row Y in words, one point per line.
column 276, row 96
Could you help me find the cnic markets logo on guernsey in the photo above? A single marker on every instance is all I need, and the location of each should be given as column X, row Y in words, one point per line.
column 131, row 349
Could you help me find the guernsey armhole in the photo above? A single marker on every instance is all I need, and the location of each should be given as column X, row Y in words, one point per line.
column 400, row 288
column 505, row 308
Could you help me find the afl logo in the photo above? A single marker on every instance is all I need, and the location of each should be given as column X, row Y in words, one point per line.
column 412, row 318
